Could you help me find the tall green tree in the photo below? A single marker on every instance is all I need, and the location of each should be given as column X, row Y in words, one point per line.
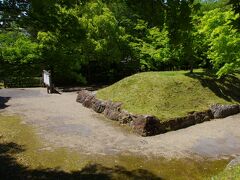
column 19, row 55
column 223, row 40
column 60, row 42
column 106, row 42
column 153, row 51
column 180, row 27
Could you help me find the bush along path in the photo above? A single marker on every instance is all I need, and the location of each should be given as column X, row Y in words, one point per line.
column 148, row 125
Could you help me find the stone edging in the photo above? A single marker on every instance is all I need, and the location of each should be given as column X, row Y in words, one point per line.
column 147, row 125
column 233, row 163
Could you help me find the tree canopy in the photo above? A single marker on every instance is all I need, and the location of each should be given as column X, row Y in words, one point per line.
column 100, row 41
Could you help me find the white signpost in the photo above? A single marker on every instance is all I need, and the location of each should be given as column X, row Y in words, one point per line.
column 47, row 80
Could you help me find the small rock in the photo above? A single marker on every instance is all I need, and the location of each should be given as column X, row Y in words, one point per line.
column 86, row 98
column 112, row 110
column 88, row 101
column 222, row 111
column 98, row 105
column 125, row 117
column 146, row 125
column 233, row 163
column 81, row 96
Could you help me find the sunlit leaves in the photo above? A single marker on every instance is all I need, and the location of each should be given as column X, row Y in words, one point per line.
column 18, row 48
column 223, row 40
column 104, row 37
column 153, row 50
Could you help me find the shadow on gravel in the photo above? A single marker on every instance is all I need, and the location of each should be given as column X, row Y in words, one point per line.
column 3, row 101
column 11, row 169
column 227, row 88
column 75, row 89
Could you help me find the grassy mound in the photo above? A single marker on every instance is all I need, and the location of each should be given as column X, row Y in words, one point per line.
column 172, row 94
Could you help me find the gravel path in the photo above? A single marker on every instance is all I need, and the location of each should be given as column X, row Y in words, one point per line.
column 63, row 122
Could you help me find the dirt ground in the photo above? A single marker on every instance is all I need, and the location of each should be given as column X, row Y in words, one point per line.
column 62, row 122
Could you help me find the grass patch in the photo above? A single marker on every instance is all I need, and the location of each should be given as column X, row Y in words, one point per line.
column 172, row 94
column 233, row 173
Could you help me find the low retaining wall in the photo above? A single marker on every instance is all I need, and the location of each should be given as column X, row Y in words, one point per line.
column 147, row 125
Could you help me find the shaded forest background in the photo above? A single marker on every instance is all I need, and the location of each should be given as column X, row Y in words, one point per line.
column 101, row 41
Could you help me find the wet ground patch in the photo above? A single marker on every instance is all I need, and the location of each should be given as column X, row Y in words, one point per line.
column 23, row 154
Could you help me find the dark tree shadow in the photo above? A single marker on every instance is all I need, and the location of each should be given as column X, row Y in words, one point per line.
column 227, row 88
column 11, row 169
column 3, row 101
column 75, row 89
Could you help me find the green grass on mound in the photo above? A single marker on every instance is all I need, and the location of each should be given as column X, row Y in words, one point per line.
column 233, row 173
column 172, row 94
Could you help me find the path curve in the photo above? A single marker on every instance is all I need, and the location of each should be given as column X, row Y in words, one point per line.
column 63, row 122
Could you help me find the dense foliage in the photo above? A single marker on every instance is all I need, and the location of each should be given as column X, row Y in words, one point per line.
column 98, row 41
column 19, row 54
column 223, row 40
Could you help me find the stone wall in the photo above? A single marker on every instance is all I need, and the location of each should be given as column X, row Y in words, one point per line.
column 148, row 125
